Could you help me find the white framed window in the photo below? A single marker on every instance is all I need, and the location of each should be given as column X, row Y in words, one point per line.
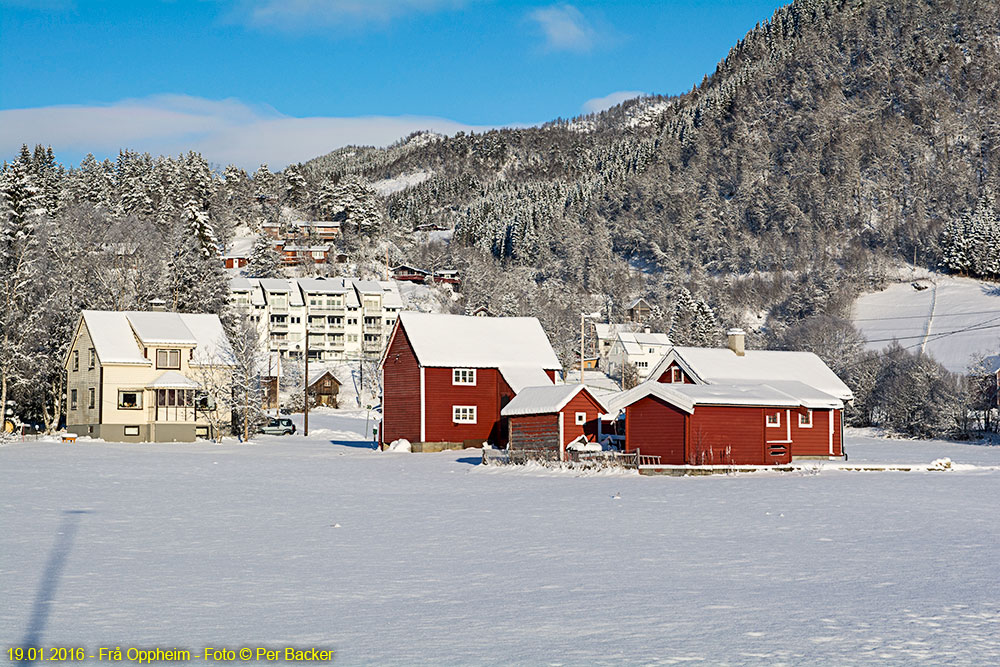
column 463, row 376
column 91, row 398
column 806, row 419
column 76, row 360
column 581, row 417
column 463, row 414
column 130, row 399
column 773, row 419
column 168, row 359
column 676, row 375
column 92, row 360
column 72, row 399
column 131, row 430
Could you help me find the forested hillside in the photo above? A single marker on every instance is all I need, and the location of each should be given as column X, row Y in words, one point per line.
column 835, row 140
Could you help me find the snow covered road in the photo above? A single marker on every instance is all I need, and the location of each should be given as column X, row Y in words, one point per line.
column 430, row 558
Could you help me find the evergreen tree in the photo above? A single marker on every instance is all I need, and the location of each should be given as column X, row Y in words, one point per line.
column 265, row 262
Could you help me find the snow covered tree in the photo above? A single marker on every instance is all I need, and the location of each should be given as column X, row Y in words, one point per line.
column 200, row 228
column 194, row 281
column 693, row 321
column 296, row 186
column 249, row 356
column 353, row 202
column 265, row 262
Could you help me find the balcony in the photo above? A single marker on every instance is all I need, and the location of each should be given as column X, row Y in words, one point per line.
column 373, row 328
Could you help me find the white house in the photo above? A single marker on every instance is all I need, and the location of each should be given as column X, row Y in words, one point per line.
column 642, row 350
column 136, row 376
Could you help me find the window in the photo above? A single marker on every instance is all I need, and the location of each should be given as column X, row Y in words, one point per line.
column 93, row 359
column 581, row 417
column 463, row 376
column 76, row 360
column 463, row 414
column 91, row 398
column 676, row 375
column 806, row 419
column 642, row 364
column 72, row 399
column 131, row 430
column 773, row 419
column 168, row 359
column 129, row 399
column 318, row 254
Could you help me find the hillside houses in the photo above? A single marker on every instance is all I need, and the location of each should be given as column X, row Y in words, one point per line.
column 641, row 350
column 146, row 376
column 446, row 378
column 346, row 318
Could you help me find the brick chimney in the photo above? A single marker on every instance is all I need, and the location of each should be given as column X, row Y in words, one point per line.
column 737, row 341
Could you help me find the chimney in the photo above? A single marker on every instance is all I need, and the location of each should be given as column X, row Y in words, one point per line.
column 158, row 305
column 737, row 341
column 647, row 330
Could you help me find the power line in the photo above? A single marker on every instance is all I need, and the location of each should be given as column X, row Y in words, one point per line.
column 924, row 317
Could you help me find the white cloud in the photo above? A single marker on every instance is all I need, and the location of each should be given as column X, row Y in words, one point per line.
column 601, row 103
column 564, row 28
column 299, row 14
column 223, row 131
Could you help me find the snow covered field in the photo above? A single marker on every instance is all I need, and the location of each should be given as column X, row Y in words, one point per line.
column 430, row 558
column 949, row 305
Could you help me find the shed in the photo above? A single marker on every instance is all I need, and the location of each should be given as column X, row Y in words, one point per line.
column 324, row 388
column 551, row 417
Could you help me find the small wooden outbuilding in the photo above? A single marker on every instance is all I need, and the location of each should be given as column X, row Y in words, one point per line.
column 324, row 388
column 552, row 417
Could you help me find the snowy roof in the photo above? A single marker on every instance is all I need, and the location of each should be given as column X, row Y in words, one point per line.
column 112, row 337
column 173, row 380
column 459, row 341
column 116, row 335
column 275, row 285
column 545, row 400
column 390, row 294
column 241, row 284
column 322, row 285
column 687, row 396
column 722, row 365
column 518, row 377
column 638, row 301
column 316, row 376
column 309, row 248
column 368, row 286
column 634, row 343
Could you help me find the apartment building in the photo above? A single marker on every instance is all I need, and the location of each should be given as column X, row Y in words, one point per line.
column 345, row 318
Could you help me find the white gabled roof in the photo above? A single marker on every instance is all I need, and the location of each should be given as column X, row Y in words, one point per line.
column 116, row 335
column 461, row 341
column 636, row 343
column 545, row 400
column 687, row 396
column 722, row 365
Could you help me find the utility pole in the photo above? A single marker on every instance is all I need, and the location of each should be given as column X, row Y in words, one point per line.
column 582, row 320
column 305, row 382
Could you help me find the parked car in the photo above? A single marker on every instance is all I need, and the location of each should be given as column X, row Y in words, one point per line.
column 280, row 426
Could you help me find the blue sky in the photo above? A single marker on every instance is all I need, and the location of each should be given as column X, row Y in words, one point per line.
column 280, row 81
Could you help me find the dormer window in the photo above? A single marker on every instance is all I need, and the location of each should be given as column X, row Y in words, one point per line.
column 169, row 359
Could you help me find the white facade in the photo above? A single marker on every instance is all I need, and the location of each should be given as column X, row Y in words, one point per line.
column 346, row 318
column 642, row 350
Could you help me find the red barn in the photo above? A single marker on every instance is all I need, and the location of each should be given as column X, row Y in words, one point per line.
column 552, row 417
column 732, row 424
column 445, row 378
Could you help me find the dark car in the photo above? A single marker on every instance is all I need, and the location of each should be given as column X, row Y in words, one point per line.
column 280, row 426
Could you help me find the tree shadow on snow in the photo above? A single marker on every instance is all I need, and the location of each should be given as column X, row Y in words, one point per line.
column 45, row 598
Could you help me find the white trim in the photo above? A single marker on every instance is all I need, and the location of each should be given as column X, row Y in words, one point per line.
column 676, row 371
column 472, row 409
column 788, row 425
column 832, row 413
column 454, row 377
column 767, row 422
column 423, row 405
column 577, row 418
column 810, row 424
column 562, row 438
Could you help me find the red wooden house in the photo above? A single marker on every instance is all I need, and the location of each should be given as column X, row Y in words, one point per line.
column 745, row 424
column 735, row 406
column 445, row 378
column 551, row 418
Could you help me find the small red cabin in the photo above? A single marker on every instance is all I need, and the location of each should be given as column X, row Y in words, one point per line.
column 733, row 424
column 552, row 417
column 445, row 378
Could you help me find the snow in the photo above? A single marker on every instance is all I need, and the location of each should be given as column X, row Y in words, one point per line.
column 687, row 396
column 389, row 186
column 173, row 380
column 542, row 400
column 401, row 445
column 722, row 365
column 114, row 333
column 433, row 559
column 518, row 377
column 112, row 338
column 929, row 317
column 458, row 341
column 647, row 114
